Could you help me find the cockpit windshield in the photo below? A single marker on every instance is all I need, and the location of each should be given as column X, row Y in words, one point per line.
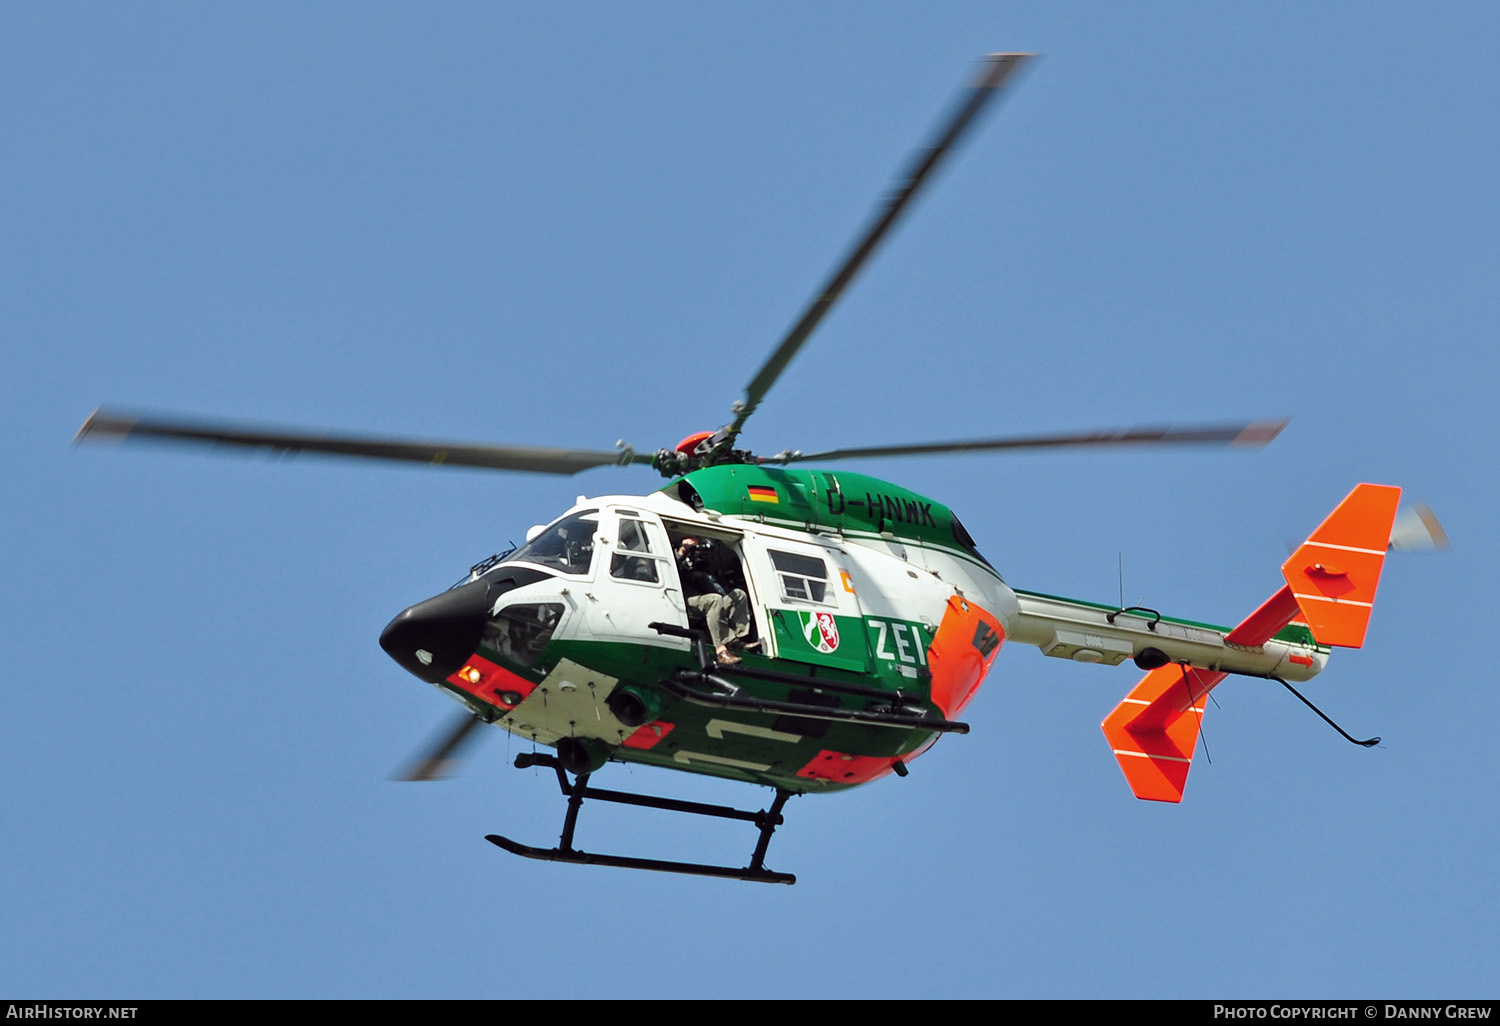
column 567, row 546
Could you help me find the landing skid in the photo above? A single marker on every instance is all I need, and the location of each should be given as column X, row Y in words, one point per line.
column 766, row 820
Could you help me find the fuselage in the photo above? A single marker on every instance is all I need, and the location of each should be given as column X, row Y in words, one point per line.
column 862, row 597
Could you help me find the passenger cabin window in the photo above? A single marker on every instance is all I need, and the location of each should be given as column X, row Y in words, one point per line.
column 803, row 578
column 566, row 546
column 633, row 567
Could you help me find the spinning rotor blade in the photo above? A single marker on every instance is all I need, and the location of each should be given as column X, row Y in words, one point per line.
column 1416, row 529
column 993, row 72
column 104, row 426
column 441, row 760
column 1252, row 434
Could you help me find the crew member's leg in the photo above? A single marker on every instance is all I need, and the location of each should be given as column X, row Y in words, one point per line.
column 739, row 614
column 714, row 609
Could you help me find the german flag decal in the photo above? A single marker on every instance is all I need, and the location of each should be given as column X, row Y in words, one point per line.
column 760, row 493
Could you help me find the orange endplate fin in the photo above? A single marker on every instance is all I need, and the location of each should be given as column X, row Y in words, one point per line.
column 1154, row 731
column 1335, row 572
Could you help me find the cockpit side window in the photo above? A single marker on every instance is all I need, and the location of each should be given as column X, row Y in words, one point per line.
column 623, row 564
column 633, row 536
column 567, row 546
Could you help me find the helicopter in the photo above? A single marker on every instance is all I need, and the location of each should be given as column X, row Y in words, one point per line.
column 805, row 629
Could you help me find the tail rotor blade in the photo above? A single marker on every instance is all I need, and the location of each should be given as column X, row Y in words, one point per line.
column 1417, row 530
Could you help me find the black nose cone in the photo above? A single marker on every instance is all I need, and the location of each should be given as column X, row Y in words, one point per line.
column 433, row 639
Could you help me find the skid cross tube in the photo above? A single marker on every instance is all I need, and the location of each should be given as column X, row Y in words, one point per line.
column 766, row 820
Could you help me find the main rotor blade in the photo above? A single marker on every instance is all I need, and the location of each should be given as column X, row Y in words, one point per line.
column 105, row 426
column 442, row 759
column 993, row 72
column 1251, row 434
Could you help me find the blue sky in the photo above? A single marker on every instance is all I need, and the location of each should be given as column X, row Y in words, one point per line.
column 571, row 223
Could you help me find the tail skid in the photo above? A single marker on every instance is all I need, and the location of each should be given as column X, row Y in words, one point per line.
column 1331, row 582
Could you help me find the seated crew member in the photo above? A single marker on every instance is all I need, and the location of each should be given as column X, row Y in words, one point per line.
column 727, row 610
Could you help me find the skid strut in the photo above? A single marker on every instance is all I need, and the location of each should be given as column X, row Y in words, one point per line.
column 766, row 820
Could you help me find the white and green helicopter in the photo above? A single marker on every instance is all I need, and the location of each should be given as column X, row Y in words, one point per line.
column 807, row 630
